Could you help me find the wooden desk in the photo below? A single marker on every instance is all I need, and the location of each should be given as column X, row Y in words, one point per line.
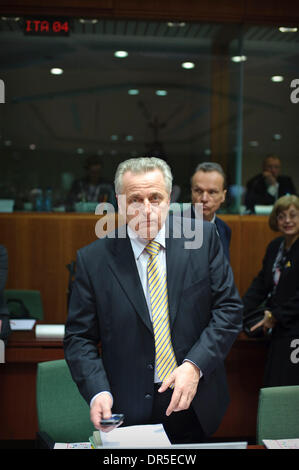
column 18, row 417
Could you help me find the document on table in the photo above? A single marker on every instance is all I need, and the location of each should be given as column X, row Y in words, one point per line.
column 281, row 443
column 72, row 445
column 144, row 436
column 22, row 324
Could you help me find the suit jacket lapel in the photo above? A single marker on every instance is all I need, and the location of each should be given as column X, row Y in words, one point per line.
column 176, row 261
column 123, row 265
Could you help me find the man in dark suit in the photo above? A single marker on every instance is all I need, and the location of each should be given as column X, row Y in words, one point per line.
column 266, row 187
column 112, row 302
column 208, row 187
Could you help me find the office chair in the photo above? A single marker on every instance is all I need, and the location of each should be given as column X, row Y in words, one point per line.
column 24, row 303
column 63, row 414
column 278, row 412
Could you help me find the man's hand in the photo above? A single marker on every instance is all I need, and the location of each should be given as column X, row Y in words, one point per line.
column 267, row 322
column 269, row 178
column 101, row 409
column 184, row 379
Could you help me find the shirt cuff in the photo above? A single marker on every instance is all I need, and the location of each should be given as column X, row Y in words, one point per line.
column 200, row 371
column 100, row 393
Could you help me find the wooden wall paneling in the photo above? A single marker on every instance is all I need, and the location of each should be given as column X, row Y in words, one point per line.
column 255, row 236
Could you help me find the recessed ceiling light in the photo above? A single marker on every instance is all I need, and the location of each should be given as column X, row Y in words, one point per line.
column 285, row 29
column 277, row 137
column 133, row 91
column 80, row 151
column 56, row 71
column 238, row 58
column 188, row 65
column 32, row 146
column 129, row 138
column 114, row 137
column 253, row 143
column 176, row 24
column 277, row 78
column 121, row 54
column 161, row 92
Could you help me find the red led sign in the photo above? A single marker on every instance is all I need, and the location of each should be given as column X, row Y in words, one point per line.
column 46, row 26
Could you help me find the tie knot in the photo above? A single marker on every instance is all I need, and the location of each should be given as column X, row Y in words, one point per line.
column 153, row 248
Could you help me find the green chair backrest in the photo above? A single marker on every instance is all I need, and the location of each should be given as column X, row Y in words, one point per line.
column 62, row 412
column 278, row 413
column 31, row 299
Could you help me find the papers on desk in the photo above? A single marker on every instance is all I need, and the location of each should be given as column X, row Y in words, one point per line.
column 49, row 331
column 22, row 324
column 146, row 436
column 72, row 445
column 281, row 443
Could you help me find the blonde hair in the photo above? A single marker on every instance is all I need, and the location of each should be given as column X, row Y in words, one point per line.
column 280, row 205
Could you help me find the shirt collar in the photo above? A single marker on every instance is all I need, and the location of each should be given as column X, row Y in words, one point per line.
column 138, row 244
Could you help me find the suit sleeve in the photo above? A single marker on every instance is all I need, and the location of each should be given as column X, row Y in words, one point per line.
column 258, row 290
column 82, row 336
column 226, row 313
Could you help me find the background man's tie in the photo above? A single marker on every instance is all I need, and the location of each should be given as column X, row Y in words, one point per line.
column 165, row 358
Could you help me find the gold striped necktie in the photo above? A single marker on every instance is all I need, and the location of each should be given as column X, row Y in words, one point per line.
column 157, row 285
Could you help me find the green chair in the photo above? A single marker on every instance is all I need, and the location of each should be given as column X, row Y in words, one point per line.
column 63, row 414
column 278, row 413
column 17, row 299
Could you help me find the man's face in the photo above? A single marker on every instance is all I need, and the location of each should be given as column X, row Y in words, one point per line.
column 146, row 202
column 207, row 189
column 272, row 165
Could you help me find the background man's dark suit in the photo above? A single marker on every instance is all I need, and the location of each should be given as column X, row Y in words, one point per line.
column 224, row 232
column 108, row 305
column 256, row 192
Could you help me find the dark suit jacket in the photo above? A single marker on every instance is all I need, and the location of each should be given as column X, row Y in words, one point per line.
column 223, row 229
column 284, row 304
column 108, row 305
column 256, row 192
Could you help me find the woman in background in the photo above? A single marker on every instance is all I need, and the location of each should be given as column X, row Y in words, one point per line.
column 277, row 284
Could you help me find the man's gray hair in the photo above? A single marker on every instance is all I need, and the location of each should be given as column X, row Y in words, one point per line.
column 142, row 165
column 211, row 166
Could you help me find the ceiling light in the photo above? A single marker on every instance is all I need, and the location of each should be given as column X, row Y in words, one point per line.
column 121, row 54
column 133, row 91
column 32, row 146
column 176, row 24
column 238, row 58
column 114, row 137
column 80, row 151
column 253, row 143
column 188, row 65
column 129, row 138
column 161, row 92
column 277, row 78
column 56, row 71
column 285, row 29
column 277, row 137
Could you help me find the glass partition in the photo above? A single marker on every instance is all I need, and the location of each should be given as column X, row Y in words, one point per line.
column 115, row 89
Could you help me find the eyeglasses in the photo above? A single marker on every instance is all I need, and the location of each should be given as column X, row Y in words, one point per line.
column 283, row 216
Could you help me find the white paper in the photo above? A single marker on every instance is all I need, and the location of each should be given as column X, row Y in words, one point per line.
column 72, row 445
column 22, row 324
column 149, row 435
column 49, row 331
column 281, row 443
